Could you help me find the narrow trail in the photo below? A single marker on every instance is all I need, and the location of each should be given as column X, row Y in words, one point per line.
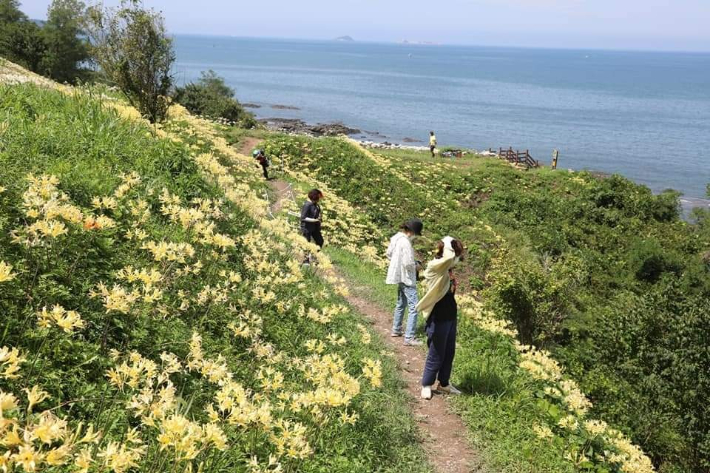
column 443, row 432
column 279, row 187
column 246, row 145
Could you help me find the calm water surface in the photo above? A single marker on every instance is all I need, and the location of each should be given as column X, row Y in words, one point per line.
column 644, row 115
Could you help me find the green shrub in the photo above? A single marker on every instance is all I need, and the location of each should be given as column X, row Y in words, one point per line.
column 21, row 40
column 649, row 261
column 212, row 98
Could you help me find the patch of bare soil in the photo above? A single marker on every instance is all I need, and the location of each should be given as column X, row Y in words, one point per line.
column 280, row 189
column 247, row 144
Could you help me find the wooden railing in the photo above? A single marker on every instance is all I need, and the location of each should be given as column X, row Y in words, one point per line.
column 517, row 157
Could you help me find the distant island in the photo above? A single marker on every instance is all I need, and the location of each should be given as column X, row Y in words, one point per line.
column 344, row 38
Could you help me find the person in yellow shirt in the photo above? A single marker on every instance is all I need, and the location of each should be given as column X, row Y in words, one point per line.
column 432, row 142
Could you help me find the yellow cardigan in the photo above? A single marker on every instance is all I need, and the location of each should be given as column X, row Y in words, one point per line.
column 437, row 279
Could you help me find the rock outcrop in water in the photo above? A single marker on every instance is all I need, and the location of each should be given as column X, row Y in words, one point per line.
column 298, row 126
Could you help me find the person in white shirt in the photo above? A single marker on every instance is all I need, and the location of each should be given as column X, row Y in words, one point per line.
column 402, row 271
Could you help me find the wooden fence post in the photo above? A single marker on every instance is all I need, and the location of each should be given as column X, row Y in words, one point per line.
column 555, row 156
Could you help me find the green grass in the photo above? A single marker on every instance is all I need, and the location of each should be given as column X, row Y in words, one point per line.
column 465, row 163
column 364, row 277
column 499, row 406
column 87, row 146
column 591, row 269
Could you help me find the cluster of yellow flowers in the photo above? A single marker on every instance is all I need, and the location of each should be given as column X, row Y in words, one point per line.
column 169, row 251
column 373, row 371
column 10, row 361
column 281, row 417
column 198, row 218
column 234, row 405
column 67, row 320
column 420, row 177
column 154, row 400
column 33, row 441
column 237, row 192
column 539, row 363
column 52, row 211
column 6, row 273
column 116, row 299
column 474, row 310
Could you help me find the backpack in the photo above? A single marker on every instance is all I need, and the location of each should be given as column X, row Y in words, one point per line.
column 260, row 156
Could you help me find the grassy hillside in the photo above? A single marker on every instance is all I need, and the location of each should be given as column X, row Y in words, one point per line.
column 154, row 318
column 601, row 273
column 150, row 296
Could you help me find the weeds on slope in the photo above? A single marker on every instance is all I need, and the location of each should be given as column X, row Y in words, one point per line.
column 153, row 320
column 473, row 205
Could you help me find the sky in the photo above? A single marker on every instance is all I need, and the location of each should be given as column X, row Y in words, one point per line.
column 596, row 24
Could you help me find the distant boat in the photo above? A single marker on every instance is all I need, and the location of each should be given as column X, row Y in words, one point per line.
column 409, row 55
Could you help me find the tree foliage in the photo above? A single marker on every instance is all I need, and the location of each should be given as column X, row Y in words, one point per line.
column 211, row 97
column 21, row 40
column 131, row 46
column 66, row 49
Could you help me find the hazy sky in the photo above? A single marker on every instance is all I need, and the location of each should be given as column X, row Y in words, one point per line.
column 618, row 24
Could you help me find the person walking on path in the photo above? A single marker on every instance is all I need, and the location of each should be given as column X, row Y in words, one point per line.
column 260, row 156
column 402, row 271
column 432, row 143
column 311, row 218
column 439, row 307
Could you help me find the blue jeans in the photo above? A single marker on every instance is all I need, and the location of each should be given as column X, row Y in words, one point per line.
column 407, row 296
column 441, row 338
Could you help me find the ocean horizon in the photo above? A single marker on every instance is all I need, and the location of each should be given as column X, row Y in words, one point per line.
column 641, row 114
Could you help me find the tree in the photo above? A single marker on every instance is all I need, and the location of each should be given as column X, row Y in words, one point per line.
column 211, row 97
column 66, row 49
column 130, row 45
column 21, row 40
column 10, row 12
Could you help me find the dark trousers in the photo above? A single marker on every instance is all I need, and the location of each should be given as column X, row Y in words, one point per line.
column 266, row 172
column 441, row 339
column 313, row 235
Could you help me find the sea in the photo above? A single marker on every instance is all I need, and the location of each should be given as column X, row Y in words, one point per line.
column 645, row 115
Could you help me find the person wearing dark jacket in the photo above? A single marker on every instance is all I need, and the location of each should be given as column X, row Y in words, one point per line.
column 260, row 156
column 311, row 218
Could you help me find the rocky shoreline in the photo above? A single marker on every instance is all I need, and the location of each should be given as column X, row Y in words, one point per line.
column 296, row 126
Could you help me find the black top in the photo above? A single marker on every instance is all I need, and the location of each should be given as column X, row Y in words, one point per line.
column 446, row 309
column 310, row 210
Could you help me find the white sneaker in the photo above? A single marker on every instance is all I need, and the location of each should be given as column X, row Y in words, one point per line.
column 395, row 334
column 413, row 342
column 450, row 389
column 426, row 392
